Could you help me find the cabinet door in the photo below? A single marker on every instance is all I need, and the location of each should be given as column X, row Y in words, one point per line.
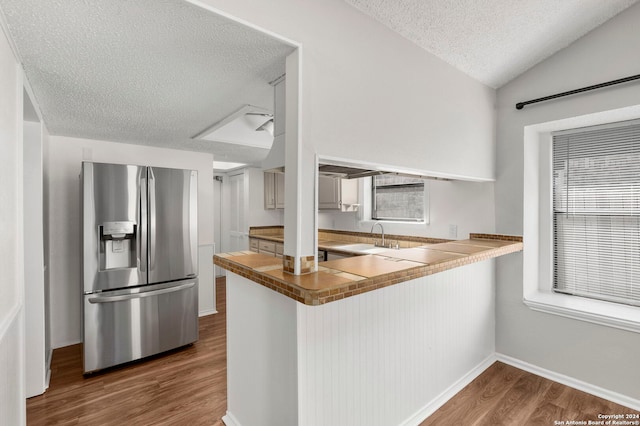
column 349, row 191
column 328, row 193
column 269, row 191
column 238, row 226
column 279, row 190
column 349, row 195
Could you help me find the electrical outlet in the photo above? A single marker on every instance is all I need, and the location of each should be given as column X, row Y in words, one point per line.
column 453, row 231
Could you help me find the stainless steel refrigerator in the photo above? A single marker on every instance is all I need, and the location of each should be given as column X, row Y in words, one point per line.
column 140, row 261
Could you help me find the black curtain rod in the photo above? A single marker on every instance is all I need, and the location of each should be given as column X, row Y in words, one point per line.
column 521, row 105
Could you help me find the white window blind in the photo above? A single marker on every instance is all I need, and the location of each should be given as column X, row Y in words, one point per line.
column 596, row 212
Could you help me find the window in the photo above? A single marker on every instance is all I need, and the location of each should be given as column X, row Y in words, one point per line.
column 538, row 278
column 397, row 198
column 596, row 212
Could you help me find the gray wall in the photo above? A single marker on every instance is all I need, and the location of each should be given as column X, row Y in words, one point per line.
column 598, row 355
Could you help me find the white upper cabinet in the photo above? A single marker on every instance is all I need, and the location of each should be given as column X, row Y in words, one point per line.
column 337, row 194
column 269, row 191
column 273, row 190
column 328, row 193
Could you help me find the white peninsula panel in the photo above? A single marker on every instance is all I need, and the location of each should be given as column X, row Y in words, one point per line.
column 389, row 356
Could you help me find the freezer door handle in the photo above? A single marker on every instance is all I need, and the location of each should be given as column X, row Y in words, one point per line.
column 142, row 228
column 119, row 298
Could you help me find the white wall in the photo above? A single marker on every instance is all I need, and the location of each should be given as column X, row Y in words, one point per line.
column 217, row 219
column 34, row 272
column 47, row 252
column 594, row 354
column 257, row 215
column 12, row 376
column 65, row 157
column 469, row 205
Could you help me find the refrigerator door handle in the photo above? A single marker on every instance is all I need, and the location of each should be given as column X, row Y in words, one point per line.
column 152, row 220
column 142, row 226
column 119, row 298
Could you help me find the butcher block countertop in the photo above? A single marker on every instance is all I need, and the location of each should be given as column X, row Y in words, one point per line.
column 347, row 277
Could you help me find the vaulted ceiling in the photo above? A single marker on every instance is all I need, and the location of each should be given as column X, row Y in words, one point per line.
column 493, row 41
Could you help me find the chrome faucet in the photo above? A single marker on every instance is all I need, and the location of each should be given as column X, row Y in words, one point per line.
column 381, row 232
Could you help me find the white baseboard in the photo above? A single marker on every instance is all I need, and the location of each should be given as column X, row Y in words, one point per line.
column 445, row 396
column 206, row 312
column 618, row 398
column 441, row 399
column 47, row 380
column 229, row 420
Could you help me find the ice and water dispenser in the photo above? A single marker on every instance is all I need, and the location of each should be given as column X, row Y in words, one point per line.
column 118, row 245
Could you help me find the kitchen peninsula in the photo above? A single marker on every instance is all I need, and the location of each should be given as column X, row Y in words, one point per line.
column 362, row 271
column 382, row 338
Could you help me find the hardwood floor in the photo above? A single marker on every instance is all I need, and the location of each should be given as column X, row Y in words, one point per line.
column 505, row 395
column 185, row 387
column 188, row 387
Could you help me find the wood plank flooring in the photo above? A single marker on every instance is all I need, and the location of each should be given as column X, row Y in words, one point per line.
column 188, row 387
column 505, row 395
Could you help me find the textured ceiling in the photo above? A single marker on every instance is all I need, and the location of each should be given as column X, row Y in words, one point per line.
column 158, row 72
column 153, row 72
column 493, row 41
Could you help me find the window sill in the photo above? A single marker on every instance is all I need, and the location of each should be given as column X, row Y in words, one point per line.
column 624, row 317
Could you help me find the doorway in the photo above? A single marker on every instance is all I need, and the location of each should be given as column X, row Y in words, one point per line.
column 238, row 235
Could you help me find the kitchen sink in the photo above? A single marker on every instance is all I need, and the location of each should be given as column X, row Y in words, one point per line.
column 362, row 248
